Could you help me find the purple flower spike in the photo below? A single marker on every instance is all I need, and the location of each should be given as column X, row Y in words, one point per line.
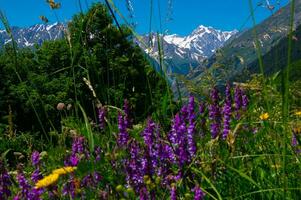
column 191, row 128
column 35, row 158
column 36, row 175
column 5, row 183
column 73, row 160
column 173, row 193
column 69, row 188
column 198, row 193
column 184, row 112
column 102, row 112
column 202, row 108
column 151, row 153
column 123, row 136
column 143, row 194
column 24, row 185
column 237, row 101
column 135, row 166
column 227, row 112
column 148, row 133
column 97, row 153
column 245, row 101
column 214, row 114
column 78, row 145
column 127, row 120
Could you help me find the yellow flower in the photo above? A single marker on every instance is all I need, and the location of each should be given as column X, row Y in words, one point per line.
column 264, row 116
column 298, row 113
column 47, row 180
column 64, row 170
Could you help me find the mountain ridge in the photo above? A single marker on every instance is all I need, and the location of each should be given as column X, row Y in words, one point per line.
column 35, row 34
column 181, row 53
column 239, row 54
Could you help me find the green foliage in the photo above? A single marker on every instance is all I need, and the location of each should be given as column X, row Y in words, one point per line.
column 95, row 49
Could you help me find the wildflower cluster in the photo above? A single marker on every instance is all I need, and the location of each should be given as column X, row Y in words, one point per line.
column 165, row 156
column 155, row 158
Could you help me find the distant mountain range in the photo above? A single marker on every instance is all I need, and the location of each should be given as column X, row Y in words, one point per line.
column 238, row 59
column 183, row 53
column 228, row 55
column 37, row 34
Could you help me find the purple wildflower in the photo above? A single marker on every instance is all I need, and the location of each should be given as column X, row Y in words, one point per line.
column 134, row 167
column 36, row 175
column 78, row 145
column 184, row 112
column 151, row 153
column 237, row 98
column 53, row 193
column 191, row 128
column 69, row 188
column 17, row 197
column 214, row 114
column 74, row 160
column 148, row 133
column 91, row 180
column 27, row 192
column 35, row 158
column 97, row 153
column 182, row 151
column 294, row 141
column 237, row 101
column 97, row 177
column 5, row 183
column 143, row 194
column 203, row 119
column 71, row 160
column 102, row 112
column 123, row 136
column 227, row 112
column 127, row 119
column 173, row 193
column 198, row 193
column 202, row 108
column 245, row 101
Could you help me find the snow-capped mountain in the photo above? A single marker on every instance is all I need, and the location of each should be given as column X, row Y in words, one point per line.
column 27, row 37
column 183, row 53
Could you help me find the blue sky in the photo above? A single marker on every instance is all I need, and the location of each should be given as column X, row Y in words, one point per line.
column 177, row 16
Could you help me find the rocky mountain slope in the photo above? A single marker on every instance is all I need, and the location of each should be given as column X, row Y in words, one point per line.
column 27, row 37
column 239, row 56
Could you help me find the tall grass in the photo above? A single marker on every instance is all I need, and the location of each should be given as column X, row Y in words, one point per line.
column 245, row 165
column 285, row 98
column 6, row 25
